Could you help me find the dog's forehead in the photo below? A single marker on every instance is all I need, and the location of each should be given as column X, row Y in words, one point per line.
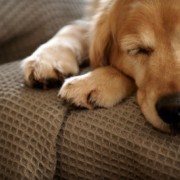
column 157, row 11
column 150, row 20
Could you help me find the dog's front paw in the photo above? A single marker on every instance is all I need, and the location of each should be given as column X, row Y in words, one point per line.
column 77, row 90
column 45, row 70
column 41, row 74
column 103, row 87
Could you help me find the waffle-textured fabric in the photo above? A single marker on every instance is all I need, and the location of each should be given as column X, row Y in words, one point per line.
column 41, row 138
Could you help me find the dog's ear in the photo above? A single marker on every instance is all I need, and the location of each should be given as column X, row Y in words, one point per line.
column 101, row 42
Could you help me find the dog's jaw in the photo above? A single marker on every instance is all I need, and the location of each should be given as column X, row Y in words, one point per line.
column 147, row 106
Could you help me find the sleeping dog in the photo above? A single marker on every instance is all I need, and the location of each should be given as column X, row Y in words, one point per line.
column 133, row 45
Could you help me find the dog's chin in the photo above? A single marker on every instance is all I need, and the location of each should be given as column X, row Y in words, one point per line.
column 152, row 117
column 149, row 111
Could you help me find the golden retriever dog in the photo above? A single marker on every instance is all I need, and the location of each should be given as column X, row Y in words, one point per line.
column 133, row 45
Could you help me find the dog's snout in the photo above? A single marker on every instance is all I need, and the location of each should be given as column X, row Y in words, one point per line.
column 168, row 109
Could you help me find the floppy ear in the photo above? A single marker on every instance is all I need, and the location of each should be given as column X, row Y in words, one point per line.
column 101, row 42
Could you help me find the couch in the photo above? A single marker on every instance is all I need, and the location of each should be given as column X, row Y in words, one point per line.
column 42, row 138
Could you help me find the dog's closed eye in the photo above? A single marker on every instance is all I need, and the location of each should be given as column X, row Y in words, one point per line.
column 140, row 50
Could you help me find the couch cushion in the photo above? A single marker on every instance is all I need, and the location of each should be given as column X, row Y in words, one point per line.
column 109, row 143
column 37, row 131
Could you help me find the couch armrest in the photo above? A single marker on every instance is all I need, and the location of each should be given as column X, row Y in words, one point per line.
column 24, row 25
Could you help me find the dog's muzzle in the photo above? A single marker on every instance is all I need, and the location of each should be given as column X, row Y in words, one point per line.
column 168, row 109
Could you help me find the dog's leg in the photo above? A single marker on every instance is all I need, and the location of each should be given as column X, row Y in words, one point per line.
column 59, row 57
column 103, row 87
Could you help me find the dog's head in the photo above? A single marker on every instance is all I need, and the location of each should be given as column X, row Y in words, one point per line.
column 142, row 39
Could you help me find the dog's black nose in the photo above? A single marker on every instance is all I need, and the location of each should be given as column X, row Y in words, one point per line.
column 168, row 108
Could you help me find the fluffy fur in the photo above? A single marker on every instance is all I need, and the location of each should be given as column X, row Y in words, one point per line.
column 132, row 45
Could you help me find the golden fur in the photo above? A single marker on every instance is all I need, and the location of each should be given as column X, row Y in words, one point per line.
column 132, row 44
